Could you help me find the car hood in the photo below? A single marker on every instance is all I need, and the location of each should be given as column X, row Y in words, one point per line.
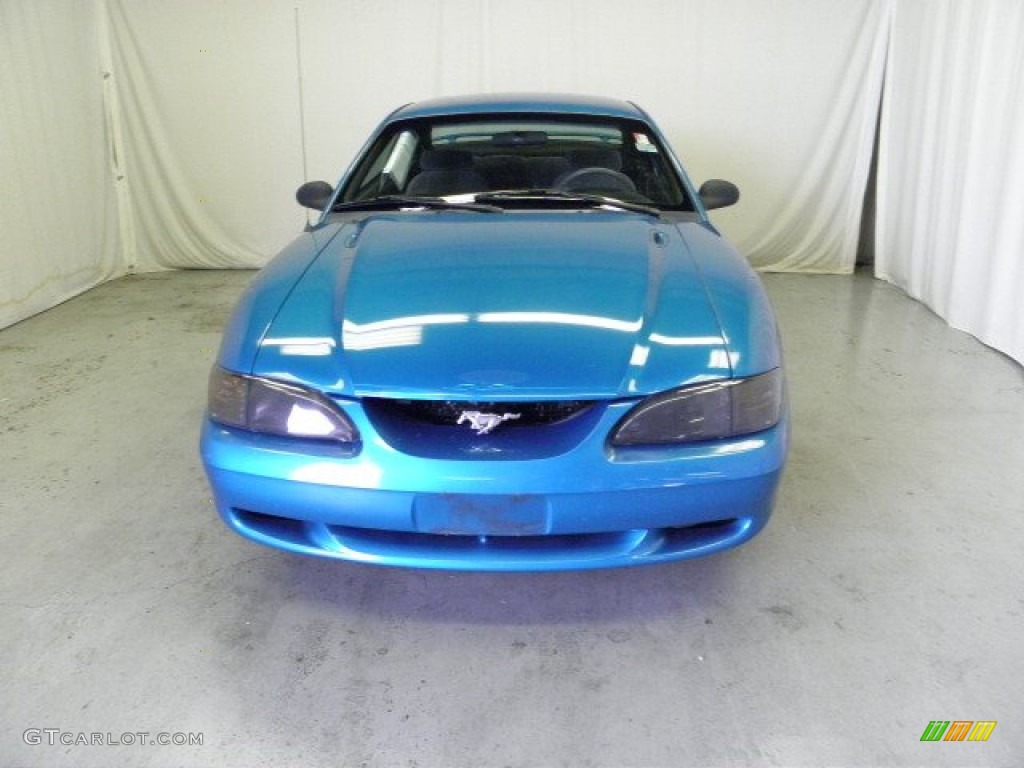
column 464, row 305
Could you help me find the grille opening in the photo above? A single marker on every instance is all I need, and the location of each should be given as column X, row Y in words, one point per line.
column 482, row 431
column 448, row 412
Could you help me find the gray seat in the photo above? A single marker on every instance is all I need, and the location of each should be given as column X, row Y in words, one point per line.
column 544, row 170
column 596, row 158
column 446, row 172
column 595, row 170
column 503, row 171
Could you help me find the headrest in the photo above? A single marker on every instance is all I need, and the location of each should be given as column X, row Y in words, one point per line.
column 445, row 159
column 597, row 158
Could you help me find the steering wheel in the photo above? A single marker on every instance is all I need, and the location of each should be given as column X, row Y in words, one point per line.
column 594, row 178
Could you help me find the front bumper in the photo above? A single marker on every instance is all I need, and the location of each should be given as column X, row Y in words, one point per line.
column 589, row 507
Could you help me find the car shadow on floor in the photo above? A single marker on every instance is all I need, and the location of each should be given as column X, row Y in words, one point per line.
column 630, row 594
column 697, row 590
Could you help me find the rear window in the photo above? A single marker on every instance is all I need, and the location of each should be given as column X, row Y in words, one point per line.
column 465, row 155
column 524, row 133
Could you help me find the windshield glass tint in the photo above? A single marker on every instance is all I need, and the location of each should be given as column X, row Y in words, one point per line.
column 620, row 159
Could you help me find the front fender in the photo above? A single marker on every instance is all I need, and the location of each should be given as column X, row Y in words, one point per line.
column 740, row 301
column 259, row 305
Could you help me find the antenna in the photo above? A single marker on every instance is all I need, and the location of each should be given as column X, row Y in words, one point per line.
column 302, row 103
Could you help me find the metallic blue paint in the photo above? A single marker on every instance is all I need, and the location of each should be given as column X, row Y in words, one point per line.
column 497, row 103
column 741, row 304
column 634, row 506
column 262, row 300
column 524, row 305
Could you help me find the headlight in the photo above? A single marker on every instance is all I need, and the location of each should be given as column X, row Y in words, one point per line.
column 705, row 412
column 276, row 408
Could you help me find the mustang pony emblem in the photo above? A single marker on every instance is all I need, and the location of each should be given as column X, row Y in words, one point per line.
column 485, row 422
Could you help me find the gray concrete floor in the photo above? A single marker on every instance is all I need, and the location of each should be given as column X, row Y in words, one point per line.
column 888, row 590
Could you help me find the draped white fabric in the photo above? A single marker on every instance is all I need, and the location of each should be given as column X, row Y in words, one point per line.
column 950, row 228
column 206, row 114
column 173, row 133
column 213, row 110
column 58, row 214
column 218, row 111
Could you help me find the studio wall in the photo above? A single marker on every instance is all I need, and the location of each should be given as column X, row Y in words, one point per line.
column 234, row 103
column 951, row 165
column 172, row 133
column 59, row 231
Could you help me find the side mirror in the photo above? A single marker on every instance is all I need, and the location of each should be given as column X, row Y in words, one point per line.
column 718, row 193
column 314, row 194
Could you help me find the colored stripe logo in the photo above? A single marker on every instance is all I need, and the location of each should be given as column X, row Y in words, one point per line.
column 958, row 730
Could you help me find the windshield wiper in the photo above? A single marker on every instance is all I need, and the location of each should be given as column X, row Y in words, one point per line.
column 573, row 197
column 411, row 201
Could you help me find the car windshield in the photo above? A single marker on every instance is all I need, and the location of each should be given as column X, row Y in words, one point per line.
column 519, row 161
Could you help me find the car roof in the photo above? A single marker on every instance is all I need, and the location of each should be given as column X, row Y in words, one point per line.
column 490, row 103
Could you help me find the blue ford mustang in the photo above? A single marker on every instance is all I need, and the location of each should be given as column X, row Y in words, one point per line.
column 512, row 341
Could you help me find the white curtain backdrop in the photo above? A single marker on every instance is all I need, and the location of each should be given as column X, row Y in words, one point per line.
column 950, row 227
column 58, row 214
column 207, row 130
column 779, row 97
column 172, row 133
